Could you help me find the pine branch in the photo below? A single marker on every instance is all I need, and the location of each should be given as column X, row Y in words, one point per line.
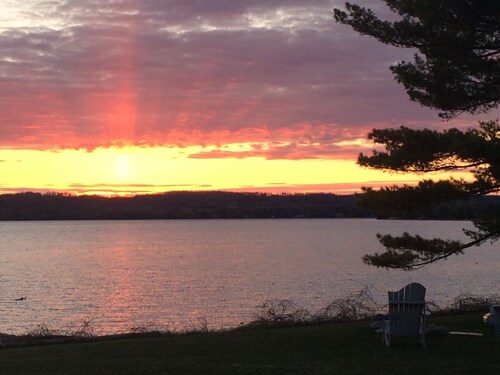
column 414, row 252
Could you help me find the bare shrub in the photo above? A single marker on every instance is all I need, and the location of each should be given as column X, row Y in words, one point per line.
column 201, row 325
column 150, row 327
column 281, row 311
column 468, row 302
column 359, row 305
column 39, row 334
column 86, row 330
column 432, row 307
column 42, row 331
column 275, row 312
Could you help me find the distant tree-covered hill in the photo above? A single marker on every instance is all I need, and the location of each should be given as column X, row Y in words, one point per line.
column 177, row 205
column 213, row 205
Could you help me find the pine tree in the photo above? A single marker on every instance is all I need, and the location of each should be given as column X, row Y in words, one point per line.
column 456, row 70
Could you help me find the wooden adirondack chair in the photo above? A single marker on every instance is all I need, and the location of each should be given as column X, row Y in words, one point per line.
column 406, row 314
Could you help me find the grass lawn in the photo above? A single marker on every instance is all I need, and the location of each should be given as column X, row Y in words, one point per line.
column 349, row 348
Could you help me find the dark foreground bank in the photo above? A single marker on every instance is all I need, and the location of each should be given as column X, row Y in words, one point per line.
column 348, row 348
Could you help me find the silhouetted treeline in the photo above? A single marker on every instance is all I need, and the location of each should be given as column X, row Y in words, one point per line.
column 212, row 205
column 177, row 205
column 462, row 209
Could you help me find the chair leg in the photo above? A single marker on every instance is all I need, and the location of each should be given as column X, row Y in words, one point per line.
column 387, row 339
column 422, row 335
column 386, row 334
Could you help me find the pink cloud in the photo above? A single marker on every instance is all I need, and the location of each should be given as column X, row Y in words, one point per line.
column 160, row 72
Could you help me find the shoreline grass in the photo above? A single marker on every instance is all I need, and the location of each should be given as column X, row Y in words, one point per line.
column 328, row 348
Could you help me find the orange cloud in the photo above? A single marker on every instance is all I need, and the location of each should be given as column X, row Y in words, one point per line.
column 182, row 74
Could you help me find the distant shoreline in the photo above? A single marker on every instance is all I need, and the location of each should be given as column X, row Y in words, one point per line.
column 217, row 205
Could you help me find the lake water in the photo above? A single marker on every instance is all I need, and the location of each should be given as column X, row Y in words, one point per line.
column 124, row 274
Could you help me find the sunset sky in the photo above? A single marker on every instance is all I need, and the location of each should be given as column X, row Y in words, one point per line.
column 140, row 96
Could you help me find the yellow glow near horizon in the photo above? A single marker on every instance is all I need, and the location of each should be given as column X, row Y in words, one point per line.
column 122, row 166
column 136, row 170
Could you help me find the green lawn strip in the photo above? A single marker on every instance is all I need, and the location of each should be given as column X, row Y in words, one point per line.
column 349, row 348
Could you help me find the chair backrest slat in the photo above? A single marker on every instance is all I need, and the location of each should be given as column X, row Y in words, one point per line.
column 406, row 309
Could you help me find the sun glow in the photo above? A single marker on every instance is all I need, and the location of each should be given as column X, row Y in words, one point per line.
column 121, row 168
column 141, row 170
